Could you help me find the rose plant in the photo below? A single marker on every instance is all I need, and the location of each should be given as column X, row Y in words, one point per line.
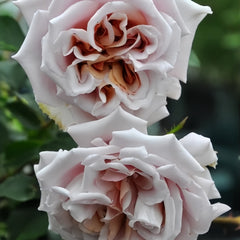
column 125, row 184
column 84, row 58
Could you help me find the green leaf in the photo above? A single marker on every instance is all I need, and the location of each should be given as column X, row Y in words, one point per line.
column 11, row 33
column 179, row 126
column 19, row 187
column 231, row 41
column 19, row 153
column 25, row 114
column 4, row 139
column 194, row 60
column 27, row 224
column 8, row 8
column 61, row 140
column 12, row 73
column 3, row 1
column 7, row 47
column 3, row 230
column 35, row 228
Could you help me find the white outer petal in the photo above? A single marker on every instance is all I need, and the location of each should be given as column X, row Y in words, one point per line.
column 170, row 8
column 148, row 216
column 166, row 146
column 193, row 14
column 200, row 147
column 29, row 56
column 84, row 133
column 30, row 7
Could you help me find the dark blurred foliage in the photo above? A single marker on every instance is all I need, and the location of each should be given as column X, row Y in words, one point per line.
column 210, row 99
column 217, row 44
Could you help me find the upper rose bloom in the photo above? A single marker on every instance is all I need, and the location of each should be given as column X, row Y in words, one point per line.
column 86, row 57
column 127, row 185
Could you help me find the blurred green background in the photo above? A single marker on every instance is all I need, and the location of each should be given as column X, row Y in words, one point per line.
column 210, row 99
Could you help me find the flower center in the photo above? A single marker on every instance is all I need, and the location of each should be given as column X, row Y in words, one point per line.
column 106, row 65
column 119, row 74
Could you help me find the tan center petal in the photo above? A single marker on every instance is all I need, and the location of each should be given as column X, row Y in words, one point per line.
column 108, row 91
column 111, row 31
column 83, row 47
column 124, row 76
column 97, row 69
column 119, row 228
column 101, row 35
column 93, row 225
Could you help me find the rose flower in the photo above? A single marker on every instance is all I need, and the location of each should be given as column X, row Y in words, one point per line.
column 126, row 184
column 84, row 58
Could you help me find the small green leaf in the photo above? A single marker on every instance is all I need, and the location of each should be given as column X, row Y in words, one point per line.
column 3, row 230
column 19, row 187
column 36, row 227
column 61, row 140
column 179, row 126
column 3, row 1
column 11, row 32
column 25, row 114
column 27, row 224
column 7, row 47
column 20, row 153
column 12, row 73
column 5, row 136
column 231, row 40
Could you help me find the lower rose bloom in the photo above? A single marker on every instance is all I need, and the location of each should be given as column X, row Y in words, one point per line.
column 128, row 185
column 84, row 58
